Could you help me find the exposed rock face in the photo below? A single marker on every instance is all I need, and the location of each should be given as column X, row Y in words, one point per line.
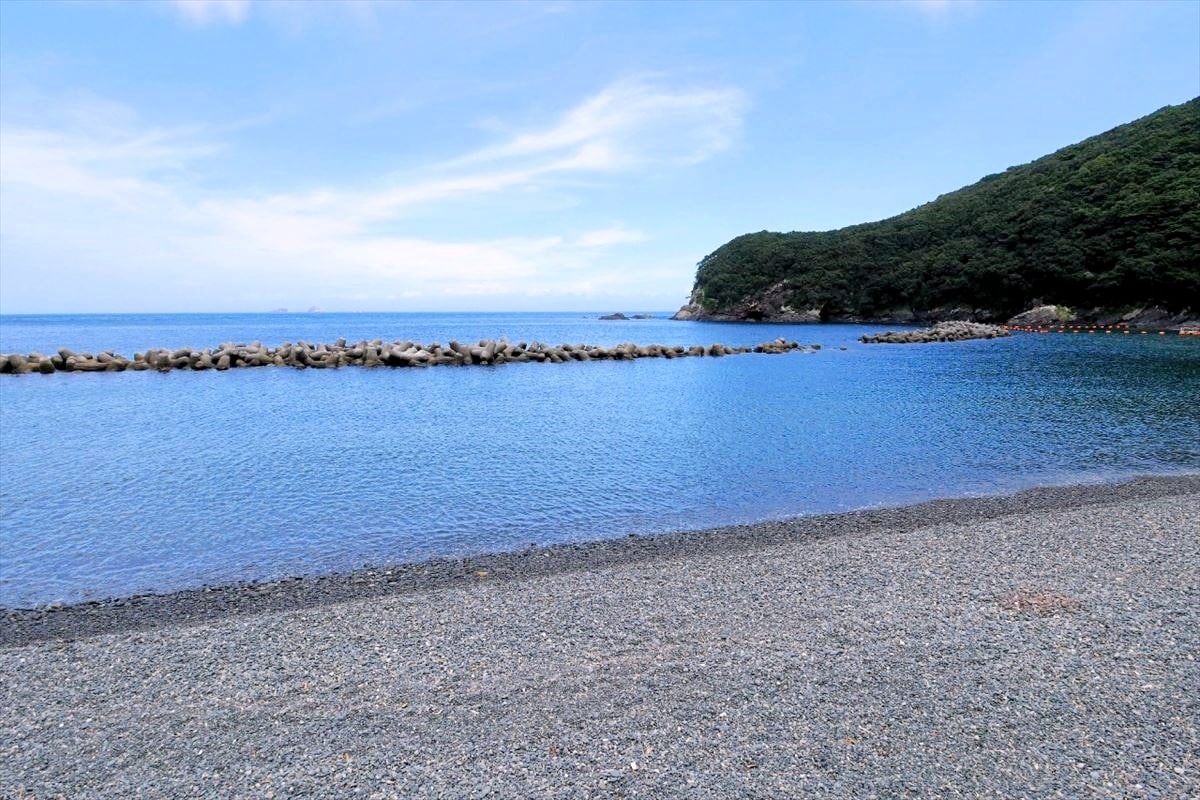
column 1154, row 317
column 615, row 316
column 942, row 332
column 692, row 311
column 1043, row 315
column 768, row 306
column 771, row 306
column 1149, row 317
column 376, row 353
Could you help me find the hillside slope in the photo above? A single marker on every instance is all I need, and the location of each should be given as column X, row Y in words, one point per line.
column 1110, row 222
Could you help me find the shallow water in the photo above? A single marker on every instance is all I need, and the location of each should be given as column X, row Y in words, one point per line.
column 119, row 483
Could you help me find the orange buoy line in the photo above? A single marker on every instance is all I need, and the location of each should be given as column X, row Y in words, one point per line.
column 1122, row 327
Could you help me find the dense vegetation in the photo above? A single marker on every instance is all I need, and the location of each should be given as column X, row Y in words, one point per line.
column 1112, row 221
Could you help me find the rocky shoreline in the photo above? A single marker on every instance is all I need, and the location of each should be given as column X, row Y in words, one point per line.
column 376, row 353
column 771, row 306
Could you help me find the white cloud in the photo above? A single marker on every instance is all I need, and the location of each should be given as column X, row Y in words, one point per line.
column 212, row 12
column 117, row 200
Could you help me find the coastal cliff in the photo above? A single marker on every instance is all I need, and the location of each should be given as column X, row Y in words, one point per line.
column 1107, row 230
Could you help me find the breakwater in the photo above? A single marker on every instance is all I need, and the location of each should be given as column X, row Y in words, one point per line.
column 374, row 353
column 941, row 332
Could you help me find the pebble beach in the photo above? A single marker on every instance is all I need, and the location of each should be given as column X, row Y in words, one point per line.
column 1039, row 644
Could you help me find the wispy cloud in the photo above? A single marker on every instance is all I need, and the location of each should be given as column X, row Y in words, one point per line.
column 116, row 167
column 212, row 12
column 121, row 198
column 629, row 123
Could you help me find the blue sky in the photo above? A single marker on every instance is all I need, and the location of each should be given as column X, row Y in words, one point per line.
column 236, row 155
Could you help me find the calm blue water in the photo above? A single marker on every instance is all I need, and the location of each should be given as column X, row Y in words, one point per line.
column 120, row 483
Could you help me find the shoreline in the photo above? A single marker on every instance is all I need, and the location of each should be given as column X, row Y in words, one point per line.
column 146, row 612
column 1035, row 645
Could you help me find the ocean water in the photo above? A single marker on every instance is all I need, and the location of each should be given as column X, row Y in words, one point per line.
column 119, row 483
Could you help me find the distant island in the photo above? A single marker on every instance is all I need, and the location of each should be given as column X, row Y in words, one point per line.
column 1099, row 229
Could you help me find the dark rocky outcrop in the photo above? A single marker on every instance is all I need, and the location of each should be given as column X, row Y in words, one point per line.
column 942, row 332
column 1043, row 315
column 1151, row 317
column 771, row 305
column 616, row 316
column 768, row 306
column 375, row 353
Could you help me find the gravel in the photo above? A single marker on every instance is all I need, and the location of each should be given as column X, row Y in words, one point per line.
column 1043, row 644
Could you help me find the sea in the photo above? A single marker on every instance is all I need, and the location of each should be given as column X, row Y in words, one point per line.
column 115, row 484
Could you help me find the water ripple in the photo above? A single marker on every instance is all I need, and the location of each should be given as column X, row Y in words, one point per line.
column 113, row 484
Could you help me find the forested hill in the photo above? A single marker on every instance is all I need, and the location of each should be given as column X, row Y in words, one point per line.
column 1110, row 222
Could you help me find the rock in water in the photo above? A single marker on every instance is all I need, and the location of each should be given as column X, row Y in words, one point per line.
column 1043, row 315
column 374, row 354
column 942, row 332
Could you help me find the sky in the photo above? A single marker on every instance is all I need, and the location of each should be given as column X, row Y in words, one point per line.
column 243, row 155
